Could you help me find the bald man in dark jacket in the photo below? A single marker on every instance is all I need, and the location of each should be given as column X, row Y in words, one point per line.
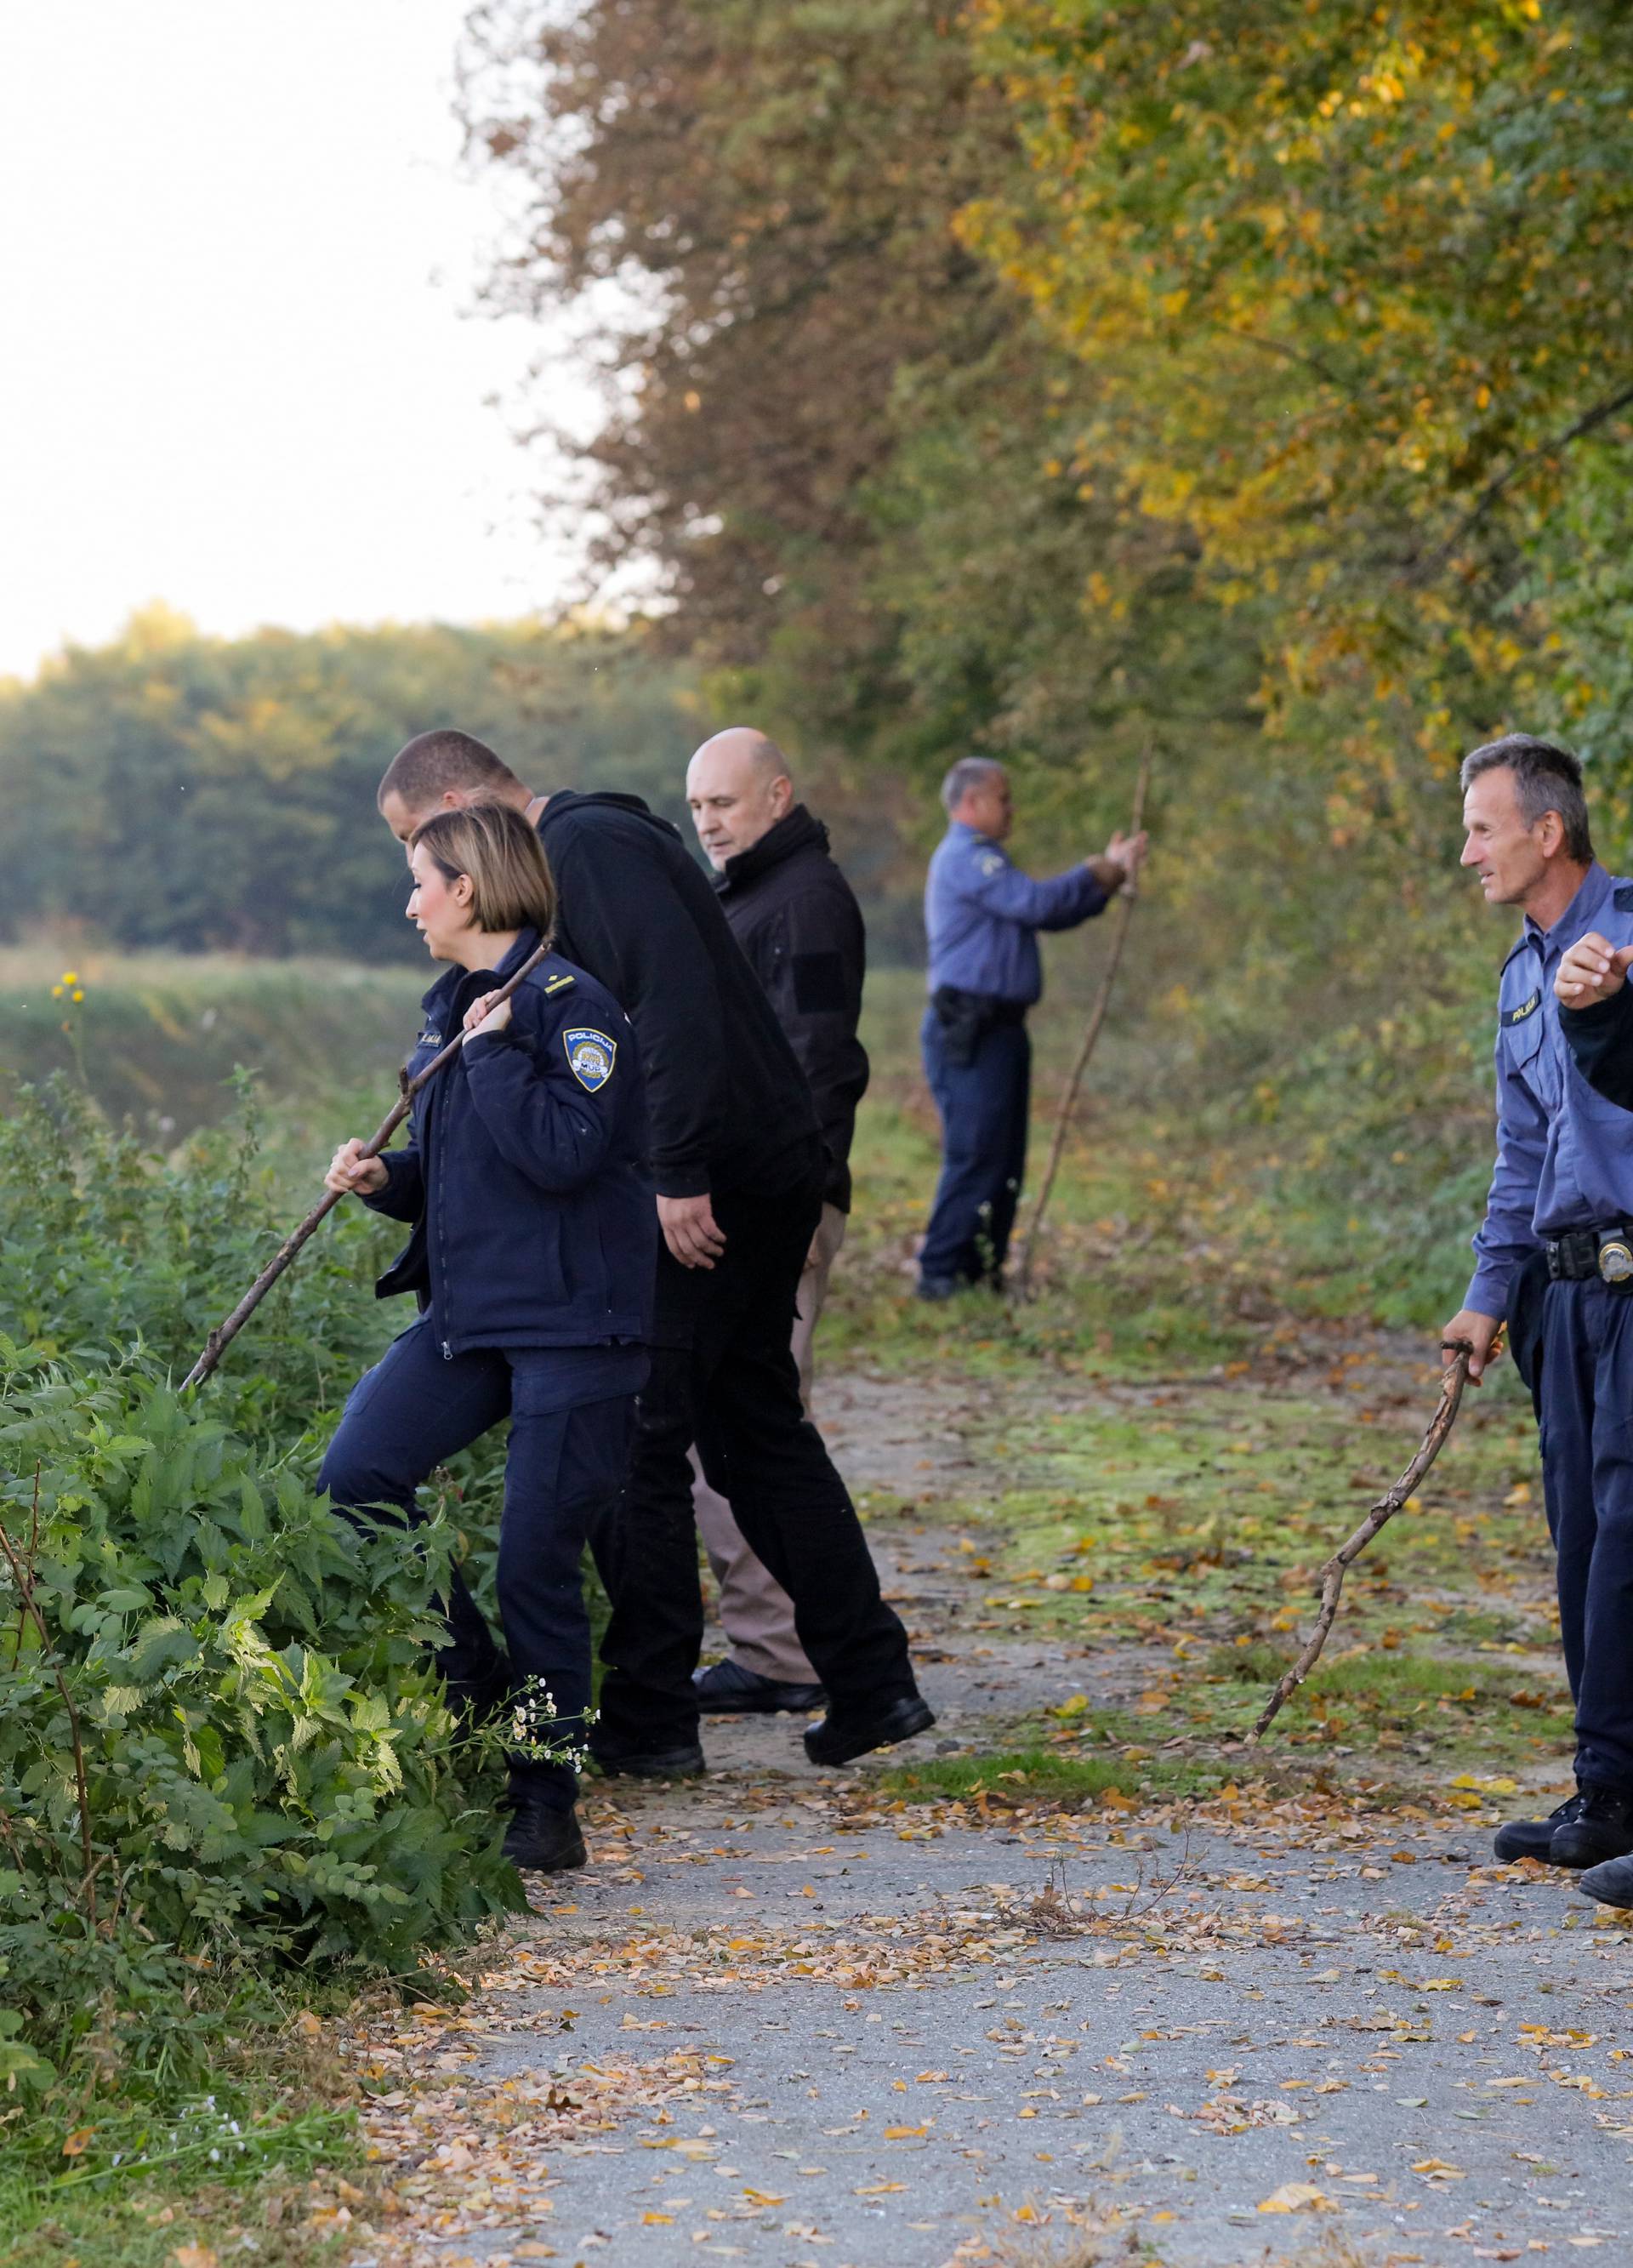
column 798, row 921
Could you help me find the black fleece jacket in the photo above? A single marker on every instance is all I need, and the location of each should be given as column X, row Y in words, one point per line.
column 1601, row 1040
column 726, row 1098
column 797, row 918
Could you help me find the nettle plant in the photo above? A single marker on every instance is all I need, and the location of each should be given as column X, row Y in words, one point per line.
column 222, row 1740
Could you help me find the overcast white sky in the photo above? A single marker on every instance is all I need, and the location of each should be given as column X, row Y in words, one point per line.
column 236, row 251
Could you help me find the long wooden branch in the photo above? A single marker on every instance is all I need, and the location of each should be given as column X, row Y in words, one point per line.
column 228, row 1329
column 1598, row 414
column 1453, row 1381
column 1097, row 1017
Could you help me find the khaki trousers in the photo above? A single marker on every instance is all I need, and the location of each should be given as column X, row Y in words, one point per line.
column 756, row 1611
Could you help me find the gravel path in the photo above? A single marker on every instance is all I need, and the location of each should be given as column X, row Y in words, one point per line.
column 780, row 2019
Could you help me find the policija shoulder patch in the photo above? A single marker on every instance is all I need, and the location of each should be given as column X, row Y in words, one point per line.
column 1525, row 1008
column 590, row 1056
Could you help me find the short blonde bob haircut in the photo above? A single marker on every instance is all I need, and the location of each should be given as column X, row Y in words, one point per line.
column 511, row 885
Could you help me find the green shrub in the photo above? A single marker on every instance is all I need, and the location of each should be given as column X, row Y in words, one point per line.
column 224, row 1756
column 222, row 1743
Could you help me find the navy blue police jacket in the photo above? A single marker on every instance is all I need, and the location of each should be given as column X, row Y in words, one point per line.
column 526, row 1174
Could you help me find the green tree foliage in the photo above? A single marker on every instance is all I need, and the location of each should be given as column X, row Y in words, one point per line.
column 830, row 427
column 1033, row 374
column 1353, row 282
column 170, row 789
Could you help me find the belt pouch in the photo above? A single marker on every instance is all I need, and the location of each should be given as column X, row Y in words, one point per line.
column 964, row 1020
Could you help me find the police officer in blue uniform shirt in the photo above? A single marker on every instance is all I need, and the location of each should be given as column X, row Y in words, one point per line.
column 527, row 1184
column 1554, row 1257
column 983, row 916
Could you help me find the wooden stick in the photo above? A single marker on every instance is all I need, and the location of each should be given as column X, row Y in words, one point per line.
column 1097, row 1017
column 228, row 1329
column 1453, row 1378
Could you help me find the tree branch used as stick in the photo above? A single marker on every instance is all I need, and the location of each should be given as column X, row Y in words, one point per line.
column 1097, row 1017
column 1453, row 1381
column 228, row 1329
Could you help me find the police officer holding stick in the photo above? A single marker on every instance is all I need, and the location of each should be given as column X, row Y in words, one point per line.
column 1554, row 1258
column 983, row 916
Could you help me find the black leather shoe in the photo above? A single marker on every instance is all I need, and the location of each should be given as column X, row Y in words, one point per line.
column 682, row 1762
column 1533, row 1838
column 1601, row 1829
column 726, row 1686
column 939, row 1287
column 1610, row 1882
column 543, row 1839
column 840, row 1737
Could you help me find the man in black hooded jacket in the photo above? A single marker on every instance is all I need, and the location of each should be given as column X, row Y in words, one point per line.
column 739, row 1163
column 797, row 918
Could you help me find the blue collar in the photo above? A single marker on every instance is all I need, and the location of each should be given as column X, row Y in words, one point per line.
column 449, row 983
column 1579, row 917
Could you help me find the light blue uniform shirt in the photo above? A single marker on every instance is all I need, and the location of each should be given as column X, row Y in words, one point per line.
column 983, row 916
column 1564, row 1155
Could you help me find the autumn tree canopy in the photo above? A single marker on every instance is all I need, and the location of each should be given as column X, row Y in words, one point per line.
column 1021, row 372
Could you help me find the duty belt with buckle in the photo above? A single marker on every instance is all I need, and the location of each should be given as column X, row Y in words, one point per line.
column 1607, row 1253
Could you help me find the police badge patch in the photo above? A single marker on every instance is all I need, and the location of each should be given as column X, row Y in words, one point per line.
column 590, row 1056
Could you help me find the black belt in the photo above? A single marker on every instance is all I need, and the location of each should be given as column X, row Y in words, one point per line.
column 1607, row 1253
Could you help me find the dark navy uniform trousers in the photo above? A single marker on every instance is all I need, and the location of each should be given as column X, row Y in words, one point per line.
column 570, row 1411
column 1586, row 1406
column 723, row 1376
column 983, row 1105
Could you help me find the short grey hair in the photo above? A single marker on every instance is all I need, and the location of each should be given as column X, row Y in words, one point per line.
column 1546, row 778
column 968, row 772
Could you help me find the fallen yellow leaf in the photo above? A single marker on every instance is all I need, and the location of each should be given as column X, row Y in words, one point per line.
column 1297, row 2197
column 903, row 2134
column 75, row 2143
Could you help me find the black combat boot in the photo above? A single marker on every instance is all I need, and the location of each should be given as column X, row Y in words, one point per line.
column 1534, row 1838
column 541, row 1838
column 1601, row 1829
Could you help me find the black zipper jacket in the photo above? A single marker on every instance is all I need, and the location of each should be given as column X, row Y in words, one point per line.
column 1601, row 1040
column 526, row 1174
column 797, row 918
column 725, row 1095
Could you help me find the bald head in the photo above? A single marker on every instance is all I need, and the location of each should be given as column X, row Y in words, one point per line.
column 738, row 786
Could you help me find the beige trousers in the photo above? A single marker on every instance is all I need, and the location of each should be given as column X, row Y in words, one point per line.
column 756, row 1611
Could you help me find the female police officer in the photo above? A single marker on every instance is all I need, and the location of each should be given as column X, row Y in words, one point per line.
column 533, row 1255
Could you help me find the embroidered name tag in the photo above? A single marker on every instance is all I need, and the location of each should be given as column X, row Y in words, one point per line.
column 429, row 1039
column 1525, row 1008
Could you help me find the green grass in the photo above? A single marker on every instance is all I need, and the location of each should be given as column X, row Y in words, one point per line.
column 135, row 2189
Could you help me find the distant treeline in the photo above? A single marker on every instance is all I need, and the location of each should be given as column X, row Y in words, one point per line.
column 170, row 790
